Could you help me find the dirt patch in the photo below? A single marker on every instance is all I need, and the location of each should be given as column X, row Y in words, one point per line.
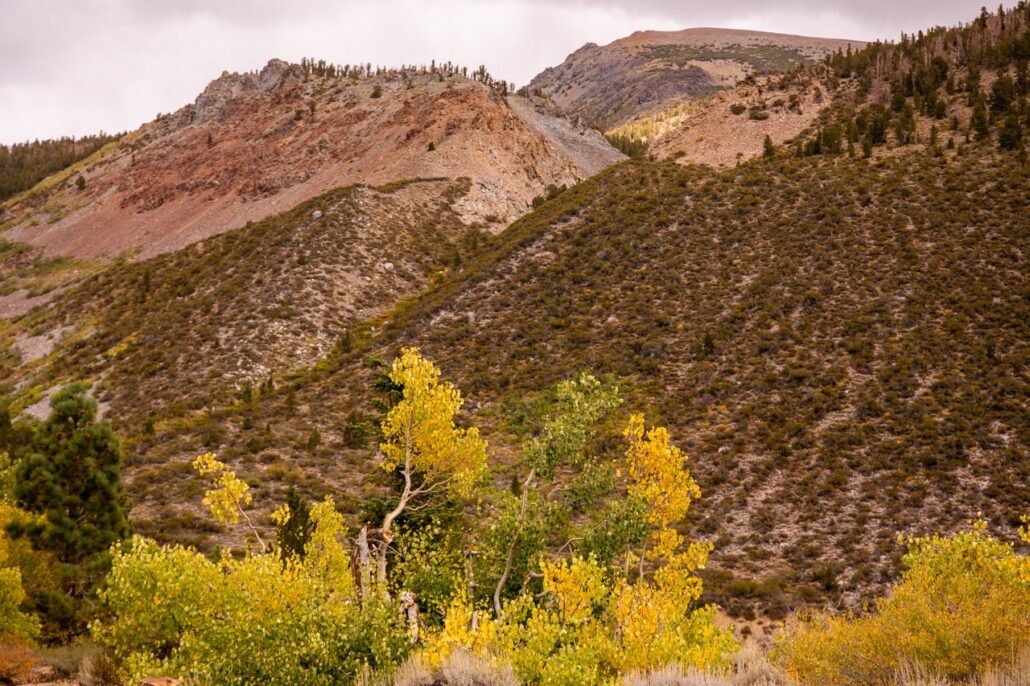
column 32, row 348
column 18, row 303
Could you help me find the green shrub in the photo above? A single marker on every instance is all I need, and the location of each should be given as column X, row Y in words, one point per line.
column 253, row 620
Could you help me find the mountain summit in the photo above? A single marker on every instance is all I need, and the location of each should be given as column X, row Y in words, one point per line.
column 648, row 70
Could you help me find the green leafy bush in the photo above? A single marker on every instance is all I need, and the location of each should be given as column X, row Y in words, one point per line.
column 255, row 620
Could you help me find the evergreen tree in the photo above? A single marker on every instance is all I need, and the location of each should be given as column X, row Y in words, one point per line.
column 768, row 149
column 1010, row 137
column 314, row 440
column 70, row 476
column 1003, row 94
column 867, row 146
column 294, row 532
column 979, row 121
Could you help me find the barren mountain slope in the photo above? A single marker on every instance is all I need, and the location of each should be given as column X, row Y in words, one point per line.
column 731, row 125
column 649, row 70
column 256, row 144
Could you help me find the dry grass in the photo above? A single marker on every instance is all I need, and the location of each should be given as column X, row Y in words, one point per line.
column 751, row 667
column 1016, row 674
column 460, row 669
column 98, row 669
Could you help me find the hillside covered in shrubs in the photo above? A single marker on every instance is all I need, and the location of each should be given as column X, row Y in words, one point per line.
column 829, row 336
column 758, row 425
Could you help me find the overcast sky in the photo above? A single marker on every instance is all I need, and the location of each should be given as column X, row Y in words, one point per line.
column 71, row 67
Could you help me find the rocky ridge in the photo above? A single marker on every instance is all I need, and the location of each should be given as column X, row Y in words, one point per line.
column 610, row 85
column 258, row 143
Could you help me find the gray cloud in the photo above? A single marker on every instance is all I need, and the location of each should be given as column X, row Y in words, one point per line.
column 79, row 66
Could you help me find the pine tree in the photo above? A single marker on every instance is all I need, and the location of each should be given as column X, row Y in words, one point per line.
column 295, row 531
column 979, row 121
column 1003, row 94
column 1010, row 137
column 69, row 475
column 768, row 149
column 867, row 146
column 314, row 440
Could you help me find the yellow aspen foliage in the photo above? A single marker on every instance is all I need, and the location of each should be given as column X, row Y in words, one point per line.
column 962, row 606
column 657, row 624
column 171, row 611
column 327, row 555
column 12, row 620
column 424, row 444
column 281, row 514
column 23, row 569
column 420, row 432
column 465, row 628
column 586, row 629
column 576, row 587
column 658, row 477
column 228, row 494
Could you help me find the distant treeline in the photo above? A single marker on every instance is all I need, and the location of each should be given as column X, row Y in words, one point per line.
column 994, row 41
column 323, row 69
column 23, row 165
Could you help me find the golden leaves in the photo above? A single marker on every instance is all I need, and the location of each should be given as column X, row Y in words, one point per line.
column 420, row 431
column 228, row 493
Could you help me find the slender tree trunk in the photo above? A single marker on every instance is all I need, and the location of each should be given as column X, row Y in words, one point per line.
column 364, row 564
column 387, row 536
column 514, row 541
column 391, row 516
column 409, row 606
column 253, row 529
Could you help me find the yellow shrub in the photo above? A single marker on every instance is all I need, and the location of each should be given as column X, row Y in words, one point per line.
column 15, row 558
column 16, row 659
column 962, row 607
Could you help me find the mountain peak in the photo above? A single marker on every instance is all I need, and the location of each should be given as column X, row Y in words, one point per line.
column 255, row 143
column 649, row 70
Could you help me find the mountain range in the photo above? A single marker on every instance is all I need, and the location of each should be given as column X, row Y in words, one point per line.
column 813, row 270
